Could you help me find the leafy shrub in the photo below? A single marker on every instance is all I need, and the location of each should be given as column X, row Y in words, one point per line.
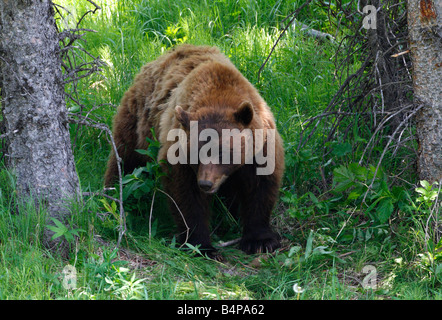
column 368, row 189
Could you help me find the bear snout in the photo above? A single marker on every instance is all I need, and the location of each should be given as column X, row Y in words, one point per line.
column 210, row 187
column 210, row 177
column 205, row 185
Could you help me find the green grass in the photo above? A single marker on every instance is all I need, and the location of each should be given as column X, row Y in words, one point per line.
column 327, row 239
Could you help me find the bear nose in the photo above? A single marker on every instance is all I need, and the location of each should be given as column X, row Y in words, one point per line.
column 205, row 185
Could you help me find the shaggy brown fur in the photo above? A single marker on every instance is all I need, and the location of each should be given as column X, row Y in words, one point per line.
column 200, row 83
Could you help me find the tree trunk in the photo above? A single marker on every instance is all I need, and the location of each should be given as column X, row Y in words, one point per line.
column 425, row 32
column 34, row 111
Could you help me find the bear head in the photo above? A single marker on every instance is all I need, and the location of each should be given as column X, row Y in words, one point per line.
column 218, row 141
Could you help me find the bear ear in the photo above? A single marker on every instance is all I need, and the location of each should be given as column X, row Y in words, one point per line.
column 244, row 114
column 182, row 116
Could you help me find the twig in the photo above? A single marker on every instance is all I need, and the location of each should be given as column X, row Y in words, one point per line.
column 312, row 32
column 150, row 214
column 182, row 216
column 97, row 7
column 101, row 194
column 229, row 243
column 343, row 226
column 399, row 54
column 346, row 254
column 5, row 135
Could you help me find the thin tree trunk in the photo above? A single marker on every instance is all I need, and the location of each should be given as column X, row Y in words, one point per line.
column 425, row 31
column 39, row 149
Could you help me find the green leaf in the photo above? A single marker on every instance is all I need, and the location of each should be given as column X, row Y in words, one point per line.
column 59, row 229
column 384, row 210
column 195, row 249
column 58, row 223
column 138, row 171
column 425, row 184
column 294, row 250
column 343, row 179
column 309, row 245
column 142, row 151
column 372, row 171
column 74, row 109
column 353, row 195
column 321, row 250
column 148, row 186
column 373, row 205
column 130, row 189
column 341, row 150
column 313, row 198
column 127, row 179
column 109, row 207
column 360, row 172
column 57, row 235
column 76, row 231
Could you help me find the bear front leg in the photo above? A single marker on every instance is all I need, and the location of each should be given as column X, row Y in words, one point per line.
column 193, row 213
column 258, row 201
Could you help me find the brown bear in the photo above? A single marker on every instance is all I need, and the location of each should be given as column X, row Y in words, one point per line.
column 198, row 103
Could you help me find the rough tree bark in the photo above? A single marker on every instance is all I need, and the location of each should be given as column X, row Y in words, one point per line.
column 34, row 111
column 425, row 32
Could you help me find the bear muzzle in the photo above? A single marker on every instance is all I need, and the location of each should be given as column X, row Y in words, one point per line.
column 205, row 185
column 211, row 187
column 210, row 178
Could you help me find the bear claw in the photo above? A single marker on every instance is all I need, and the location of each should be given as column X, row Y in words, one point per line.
column 262, row 245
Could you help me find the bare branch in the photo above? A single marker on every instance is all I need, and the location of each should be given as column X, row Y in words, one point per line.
column 229, row 243
column 91, row 123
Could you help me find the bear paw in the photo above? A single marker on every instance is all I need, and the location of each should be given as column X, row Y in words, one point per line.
column 260, row 243
column 211, row 253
